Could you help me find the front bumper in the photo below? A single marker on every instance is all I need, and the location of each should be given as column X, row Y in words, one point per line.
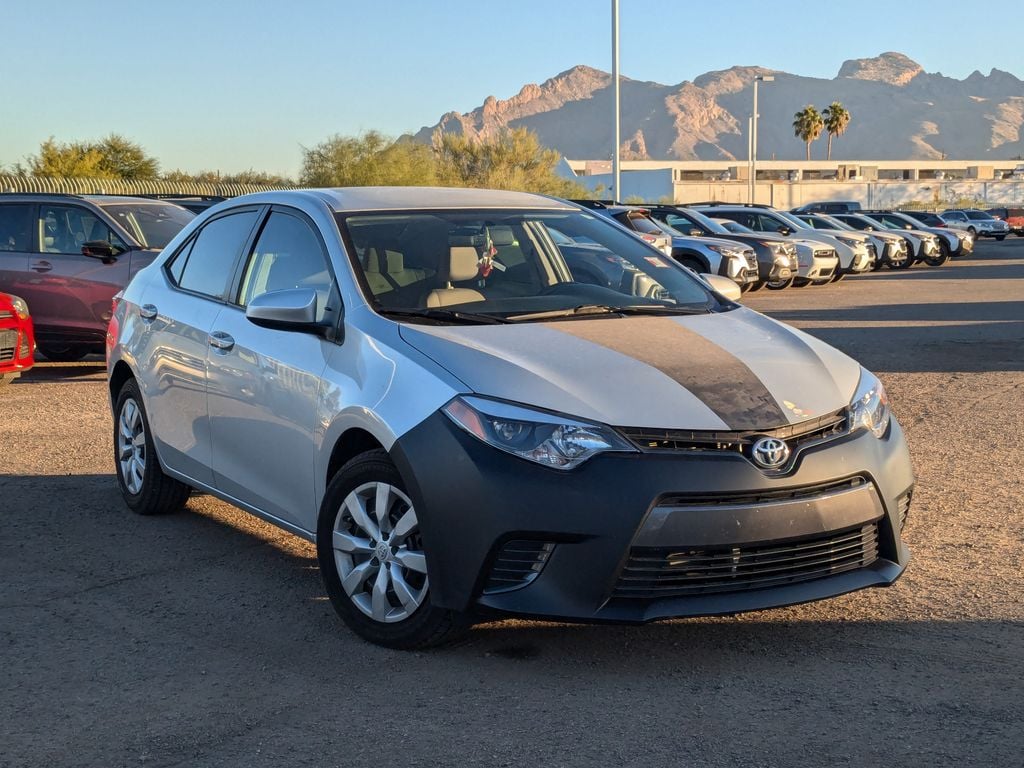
column 476, row 503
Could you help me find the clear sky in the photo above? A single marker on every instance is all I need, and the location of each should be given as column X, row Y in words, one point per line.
column 238, row 84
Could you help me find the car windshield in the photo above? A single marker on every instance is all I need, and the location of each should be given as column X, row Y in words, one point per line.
column 978, row 215
column 792, row 220
column 706, row 222
column 880, row 223
column 836, row 223
column 514, row 265
column 153, row 225
column 734, row 226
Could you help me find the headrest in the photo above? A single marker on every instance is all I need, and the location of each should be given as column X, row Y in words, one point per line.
column 463, row 263
column 394, row 262
column 501, row 236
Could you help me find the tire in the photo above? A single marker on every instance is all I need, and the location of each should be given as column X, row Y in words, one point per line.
column 942, row 258
column 907, row 263
column 402, row 617
column 63, row 353
column 838, row 275
column 1000, row 238
column 694, row 264
column 778, row 285
column 757, row 285
column 974, row 232
column 802, row 282
column 144, row 486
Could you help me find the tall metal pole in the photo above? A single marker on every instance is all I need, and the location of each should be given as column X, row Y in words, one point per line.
column 616, row 193
column 750, row 159
column 753, row 149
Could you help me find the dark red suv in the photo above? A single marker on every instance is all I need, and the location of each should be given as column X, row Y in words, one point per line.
column 67, row 255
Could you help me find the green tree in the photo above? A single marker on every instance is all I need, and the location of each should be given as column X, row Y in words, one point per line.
column 113, row 157
column 515, row 159
column 77, row 158
column 836, row 118
column 124, row 159
column 371, row 159
column 807, row 126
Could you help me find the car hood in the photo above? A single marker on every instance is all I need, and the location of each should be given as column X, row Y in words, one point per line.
column 735, row 370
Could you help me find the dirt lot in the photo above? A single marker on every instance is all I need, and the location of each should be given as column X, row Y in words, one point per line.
column 205, row 639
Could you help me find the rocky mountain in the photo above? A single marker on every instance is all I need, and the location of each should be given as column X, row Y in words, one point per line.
column 898, row 111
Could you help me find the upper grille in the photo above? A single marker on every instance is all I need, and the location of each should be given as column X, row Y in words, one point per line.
column 8, row 342
column 798, row 436
column 659, row 572
column 518, row 562
column 6, row 314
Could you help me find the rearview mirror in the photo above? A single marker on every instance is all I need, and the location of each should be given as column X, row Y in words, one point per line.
column 294, row 309
column 724, row 286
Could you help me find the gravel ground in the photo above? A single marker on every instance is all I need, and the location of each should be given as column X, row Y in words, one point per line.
column 205, row 639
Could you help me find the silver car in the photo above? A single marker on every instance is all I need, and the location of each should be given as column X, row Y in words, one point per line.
column 417, row 381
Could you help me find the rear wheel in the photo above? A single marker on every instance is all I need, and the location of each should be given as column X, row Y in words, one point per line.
column 372, row 558
column 63, row 353
column 692, row 263
column 144, row 486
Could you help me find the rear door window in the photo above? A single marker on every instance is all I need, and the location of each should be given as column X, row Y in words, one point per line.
column 206, row 264
column 15, row 227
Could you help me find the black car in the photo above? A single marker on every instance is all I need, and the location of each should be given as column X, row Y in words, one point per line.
column 776, row 258
column 835, row 206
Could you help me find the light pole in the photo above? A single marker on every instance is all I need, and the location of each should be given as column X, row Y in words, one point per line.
column 753, row 137
column 616, row 194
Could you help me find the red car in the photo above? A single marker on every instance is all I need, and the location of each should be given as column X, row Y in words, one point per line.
column 17, row 340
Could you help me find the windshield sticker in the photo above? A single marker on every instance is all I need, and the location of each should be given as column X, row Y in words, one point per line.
column 655, row 261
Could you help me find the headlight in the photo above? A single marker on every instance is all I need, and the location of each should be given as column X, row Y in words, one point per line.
column 869, row 408
column 850, row 241
column 725, row 250
column 20, row 307
column 553, row 441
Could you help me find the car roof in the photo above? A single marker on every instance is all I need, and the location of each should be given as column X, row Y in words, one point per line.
column 347, row 199
column 96, row 199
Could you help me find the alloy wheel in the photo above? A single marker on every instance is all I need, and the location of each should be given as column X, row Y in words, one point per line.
column 379, row 553
column 131, row 446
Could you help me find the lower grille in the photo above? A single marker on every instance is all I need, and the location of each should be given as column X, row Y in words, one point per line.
column 8, row 343
column 653, row 573
column 903, row 507
column 517, row 564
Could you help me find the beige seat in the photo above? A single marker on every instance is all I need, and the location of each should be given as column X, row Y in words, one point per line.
column 385, row 271
column 462, row 265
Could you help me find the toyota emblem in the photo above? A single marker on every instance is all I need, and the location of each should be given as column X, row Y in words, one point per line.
column 770, row 452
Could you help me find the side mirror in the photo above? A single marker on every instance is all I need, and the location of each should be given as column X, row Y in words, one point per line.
column 293, row 309
column 696, row 232
column 100, row 249
column 724, row 286
column 783, row 230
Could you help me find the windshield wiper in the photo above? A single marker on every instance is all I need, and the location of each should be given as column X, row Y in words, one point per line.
column 451, row 315
column 606, row 309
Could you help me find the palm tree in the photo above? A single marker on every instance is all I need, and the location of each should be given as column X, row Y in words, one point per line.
column 807, row 125
column 836, row 119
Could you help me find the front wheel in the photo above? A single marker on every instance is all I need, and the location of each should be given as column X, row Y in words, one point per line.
column 757, row 285
column 144, row 486
column 940, row 259
column 1000, row 238
column 903, row 261
column 778, row 285
column 372, row 559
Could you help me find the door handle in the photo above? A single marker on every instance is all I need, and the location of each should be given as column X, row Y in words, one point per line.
column 221, row 340
column 147, row 312
column 41, row 266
